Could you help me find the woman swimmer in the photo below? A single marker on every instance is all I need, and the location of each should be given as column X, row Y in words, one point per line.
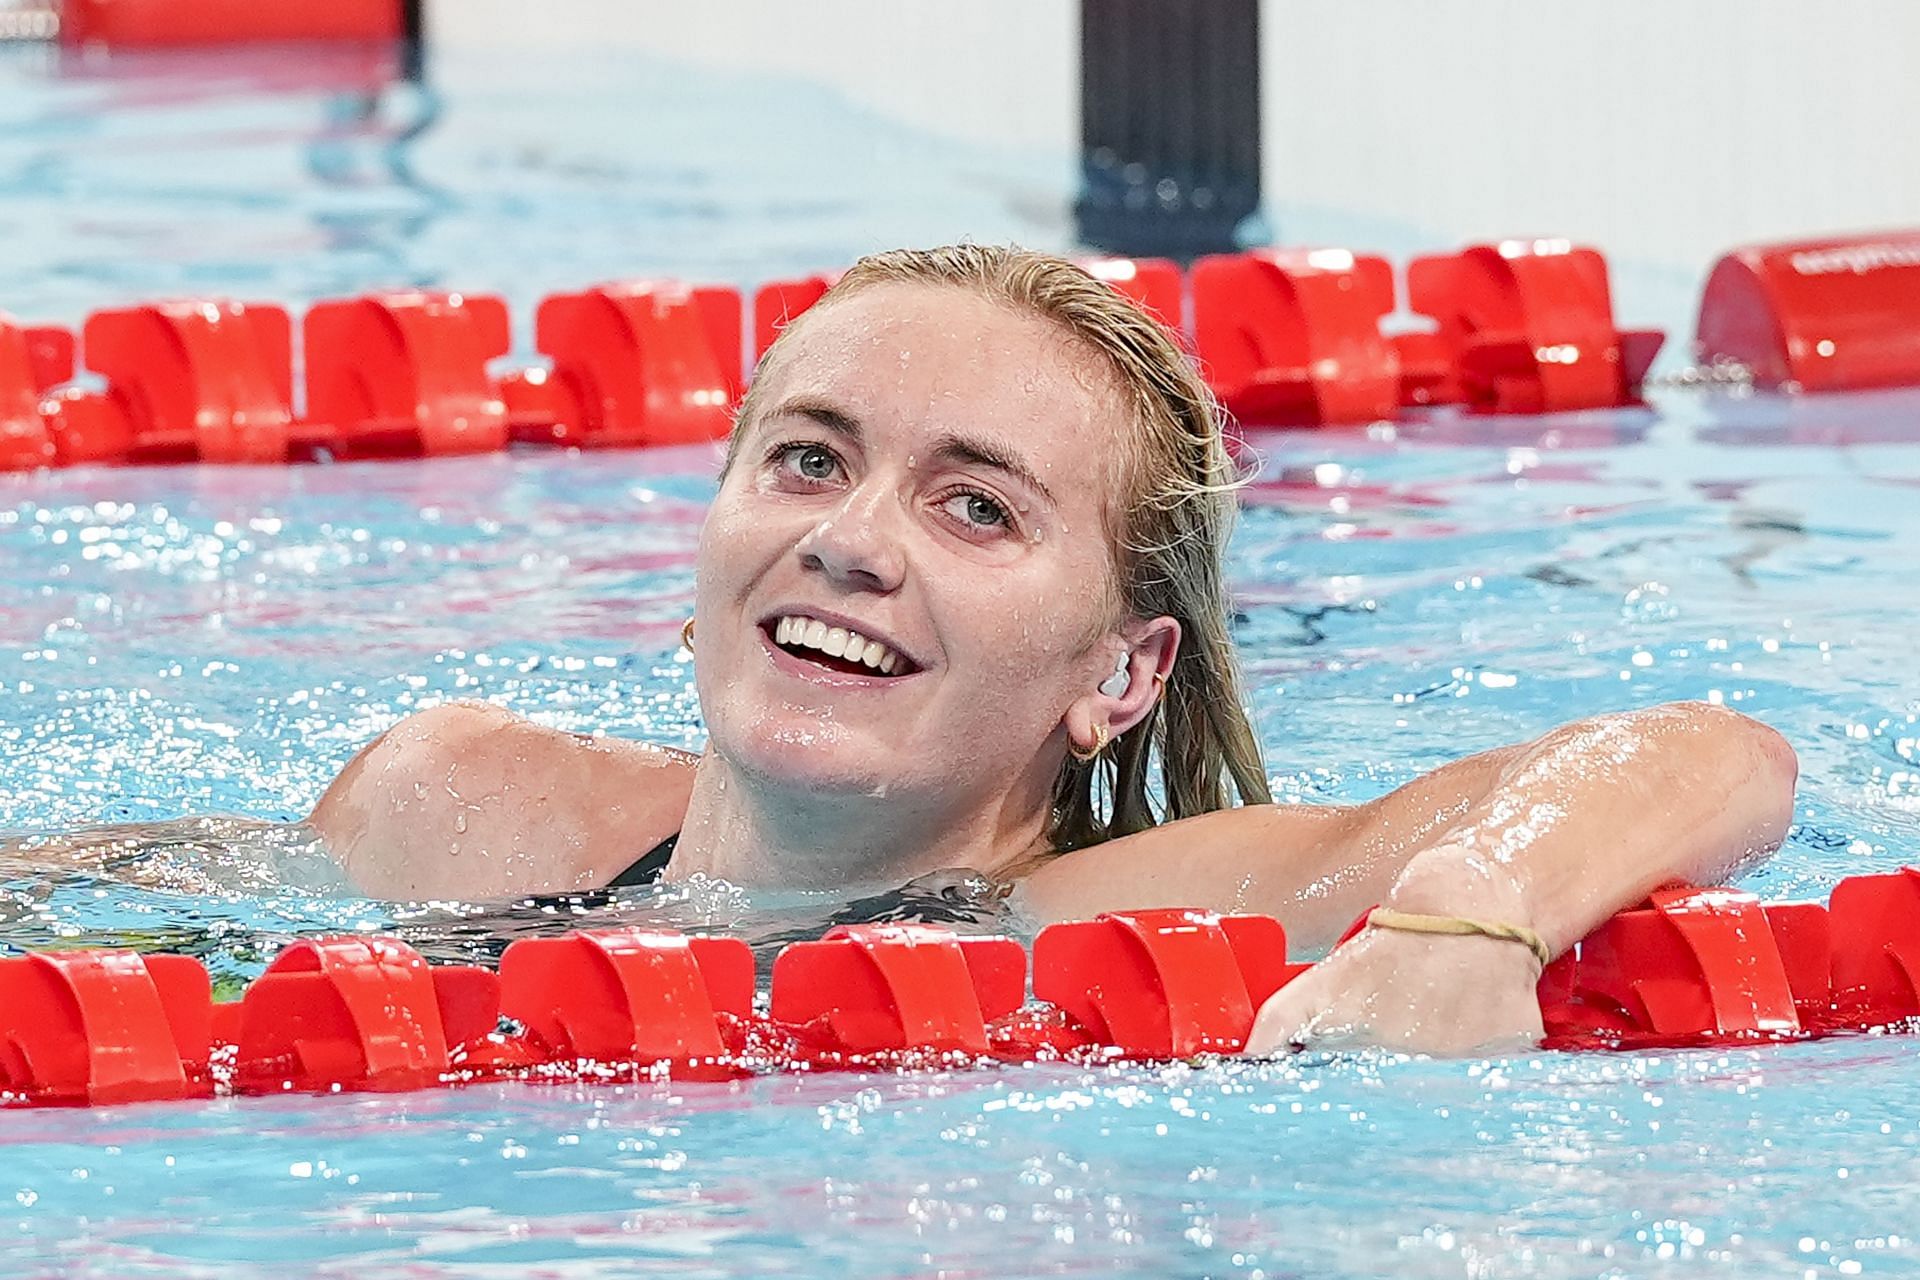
column 959, row 593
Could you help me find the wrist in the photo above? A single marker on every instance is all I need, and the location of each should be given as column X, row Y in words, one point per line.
column 1453, row 880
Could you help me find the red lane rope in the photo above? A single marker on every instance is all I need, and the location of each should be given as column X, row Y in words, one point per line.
column 1691, row 967
column 1285, row 338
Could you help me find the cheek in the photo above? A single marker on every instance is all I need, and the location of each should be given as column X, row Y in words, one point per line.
column 733, row 542
column 1032, row 631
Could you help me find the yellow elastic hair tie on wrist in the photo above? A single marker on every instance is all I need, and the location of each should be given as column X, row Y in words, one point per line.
column 1409, row 922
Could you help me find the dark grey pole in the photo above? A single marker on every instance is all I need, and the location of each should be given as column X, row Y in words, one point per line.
column 1169, row 124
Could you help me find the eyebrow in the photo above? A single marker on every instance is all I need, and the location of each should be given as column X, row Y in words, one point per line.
column 823, row 414
column 950, row 448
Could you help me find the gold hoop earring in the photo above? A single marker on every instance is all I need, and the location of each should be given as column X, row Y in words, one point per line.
column 686, row 635
column 1101, row 736
column 1159, row 686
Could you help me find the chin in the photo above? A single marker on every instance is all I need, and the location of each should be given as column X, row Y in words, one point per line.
column 804, row 753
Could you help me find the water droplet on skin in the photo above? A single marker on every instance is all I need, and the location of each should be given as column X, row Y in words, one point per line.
column 460, row 823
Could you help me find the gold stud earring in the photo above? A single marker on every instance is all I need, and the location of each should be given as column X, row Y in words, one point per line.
column 686, row 635
column 1101, row 736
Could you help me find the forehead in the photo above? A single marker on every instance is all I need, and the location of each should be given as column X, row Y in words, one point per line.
column 910, row 359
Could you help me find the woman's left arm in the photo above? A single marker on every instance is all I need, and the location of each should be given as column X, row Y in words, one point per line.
column 1553, row 836
column 1581, row 824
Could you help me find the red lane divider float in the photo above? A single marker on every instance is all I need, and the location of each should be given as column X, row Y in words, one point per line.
column 1163, row 984
column 779, row 303
column 1292, row 338
column 1819, row 315
column 1285, row 337
column 1527, row 326
column 1692, row 966
column 880, row 988
column 87, row 1027
column 356, row 1013
column 640, row 363
column 32, row 362
column 628, row 998
column 405, row 375
column 186, row 382
column 137, row 23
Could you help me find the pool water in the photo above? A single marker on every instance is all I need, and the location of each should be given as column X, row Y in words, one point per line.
column 216, row 641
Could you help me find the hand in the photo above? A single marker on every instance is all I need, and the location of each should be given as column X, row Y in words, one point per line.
column 1419, row 993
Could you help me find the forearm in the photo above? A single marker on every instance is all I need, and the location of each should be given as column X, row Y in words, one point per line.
column 1590, row 818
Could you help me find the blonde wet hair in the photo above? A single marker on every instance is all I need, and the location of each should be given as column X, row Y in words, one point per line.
column 1167, row 531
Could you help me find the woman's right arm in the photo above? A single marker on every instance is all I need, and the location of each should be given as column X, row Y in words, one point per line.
column 470, row 801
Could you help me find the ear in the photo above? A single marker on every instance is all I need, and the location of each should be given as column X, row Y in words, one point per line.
column 1148, row 649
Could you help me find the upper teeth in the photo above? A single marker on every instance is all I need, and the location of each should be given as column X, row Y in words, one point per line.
column 811, row 633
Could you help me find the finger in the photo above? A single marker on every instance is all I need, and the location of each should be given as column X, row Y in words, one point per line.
column 1285, row 1021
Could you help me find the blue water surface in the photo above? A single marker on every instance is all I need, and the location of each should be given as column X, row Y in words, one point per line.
column 213, row 641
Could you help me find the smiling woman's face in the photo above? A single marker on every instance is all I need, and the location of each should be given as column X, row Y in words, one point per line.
column 905, row 580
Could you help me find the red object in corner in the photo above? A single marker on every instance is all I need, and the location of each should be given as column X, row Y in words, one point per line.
column 404, row 374
column 643, row 362
column 1875, row 923
column 1694, row 963
column 32, row 361
column 176, row 22
column 1529, row 327
column 619, row 997
column 1164, row 984
column 79, row 1027
column 1292, row 337
column 778, row 303
column 1825, row 315
column 1153, row 284
column 884, row 987
column 352, row 1013
column 196, row 380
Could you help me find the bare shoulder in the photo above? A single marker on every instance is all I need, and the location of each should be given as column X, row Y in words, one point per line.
column 1245, row 859
column 470, row 800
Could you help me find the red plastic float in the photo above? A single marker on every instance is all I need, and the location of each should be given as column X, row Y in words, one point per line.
column 1163, row 984
column 873, row 988
column 1876, row 947
column 404, row 374
column 1819, row 315
column 357, row 1013
column 188, row 381
column 1693, row 963
column 85, row 1027
column 634, row 364
column 778, row 303
column 1528, row 327
column 628, row 996
column 183, row 22
column 32, row 362
column 1292, row 337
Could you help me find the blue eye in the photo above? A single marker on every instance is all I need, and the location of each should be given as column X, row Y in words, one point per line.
column 813, row 462
column 978, row 510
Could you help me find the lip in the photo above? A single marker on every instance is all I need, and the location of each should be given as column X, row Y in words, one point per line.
column 814, row 673
column 840, row 620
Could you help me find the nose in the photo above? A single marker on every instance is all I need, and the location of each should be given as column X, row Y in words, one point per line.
column 856, row 546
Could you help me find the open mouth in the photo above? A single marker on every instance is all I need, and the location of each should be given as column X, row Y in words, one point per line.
column 838, row 648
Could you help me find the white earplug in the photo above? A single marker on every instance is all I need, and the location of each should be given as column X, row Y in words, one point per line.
column 1117, row 684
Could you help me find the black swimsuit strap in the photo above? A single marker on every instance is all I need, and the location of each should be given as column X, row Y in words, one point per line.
column 650, row 866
